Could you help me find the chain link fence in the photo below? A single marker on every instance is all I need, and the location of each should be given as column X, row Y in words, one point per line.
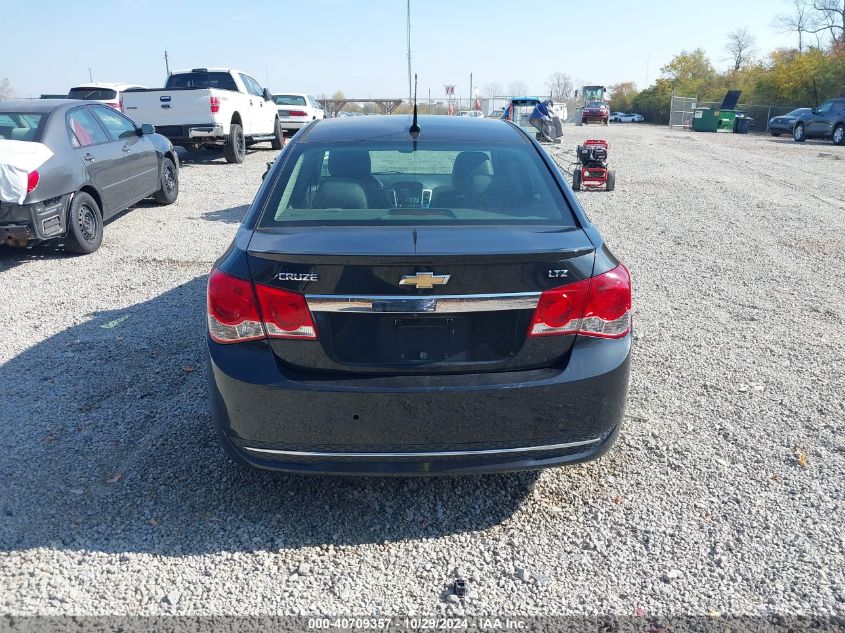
column 682, row 109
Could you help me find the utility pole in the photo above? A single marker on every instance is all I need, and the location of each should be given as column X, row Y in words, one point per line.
column 471, row 104
column 166, row 63
column 410, row 94
column 90, row 76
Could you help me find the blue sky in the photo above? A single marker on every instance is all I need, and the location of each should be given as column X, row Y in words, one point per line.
column 358, row 46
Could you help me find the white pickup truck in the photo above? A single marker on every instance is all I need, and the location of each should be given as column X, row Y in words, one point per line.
column 209, row 107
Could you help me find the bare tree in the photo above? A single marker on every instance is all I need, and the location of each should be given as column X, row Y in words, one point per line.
column 517, row 88
column 6, row 91
column 741, row 47
column 560, row 86
column 831, row 15
column 800, row 21
column 491, row 90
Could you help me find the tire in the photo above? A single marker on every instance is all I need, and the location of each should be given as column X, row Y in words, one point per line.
column 611, row 180
column 168, row 179
column 838, row 136
column 576, row 180
column 798, row 133
column 278, row 141
column 84, row 225
column 234, row 150
column 605, row 121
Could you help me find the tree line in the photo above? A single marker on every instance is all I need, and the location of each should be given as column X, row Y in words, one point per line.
column 801, row 76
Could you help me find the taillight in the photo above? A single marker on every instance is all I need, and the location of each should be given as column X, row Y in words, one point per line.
column 234, row 315
column 114, row 104
column 600, row 307
column 214, row 104
column 32, row 179
column 232, row 312
column 298, row 113
column 286, row 314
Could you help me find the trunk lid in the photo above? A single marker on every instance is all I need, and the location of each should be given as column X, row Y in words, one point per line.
column 464, row 307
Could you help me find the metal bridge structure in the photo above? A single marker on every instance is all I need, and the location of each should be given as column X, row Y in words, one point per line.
column 333, row 106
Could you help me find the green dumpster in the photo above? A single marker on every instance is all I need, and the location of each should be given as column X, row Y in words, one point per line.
column 727, row 120
column 705, row 120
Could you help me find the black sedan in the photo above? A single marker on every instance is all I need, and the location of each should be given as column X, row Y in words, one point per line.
column 785, row 123
column 68, row 166
column 407, row 306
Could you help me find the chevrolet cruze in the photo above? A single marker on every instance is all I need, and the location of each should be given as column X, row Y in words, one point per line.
column 404, row 303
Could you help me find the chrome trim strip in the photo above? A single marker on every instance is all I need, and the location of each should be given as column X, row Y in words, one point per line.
column 444, row 303
column 491, row 451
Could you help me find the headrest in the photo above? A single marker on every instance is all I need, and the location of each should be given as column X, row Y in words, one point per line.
column 467, row 165
column 349, row 163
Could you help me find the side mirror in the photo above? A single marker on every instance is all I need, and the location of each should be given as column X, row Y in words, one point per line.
column 147, row 128
column 267, row 95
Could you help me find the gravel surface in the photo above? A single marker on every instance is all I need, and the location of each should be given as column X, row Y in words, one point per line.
column 724, row 493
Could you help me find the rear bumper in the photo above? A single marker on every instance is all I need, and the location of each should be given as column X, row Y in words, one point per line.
column 290, row 124
column 192, row 133
column 418, row 425
column 23, row 224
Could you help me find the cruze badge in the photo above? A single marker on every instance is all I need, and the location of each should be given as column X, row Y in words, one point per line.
column 557, row 274
column 297, row 276
column 424, row 280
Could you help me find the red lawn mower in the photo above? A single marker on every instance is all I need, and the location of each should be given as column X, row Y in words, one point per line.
column 592, row 171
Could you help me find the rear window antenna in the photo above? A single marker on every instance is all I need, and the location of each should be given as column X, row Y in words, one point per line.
column 415, row 127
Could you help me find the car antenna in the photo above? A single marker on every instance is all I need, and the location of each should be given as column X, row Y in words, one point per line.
column 415, row 127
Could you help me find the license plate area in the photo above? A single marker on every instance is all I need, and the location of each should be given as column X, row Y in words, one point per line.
column 413, row 340
column 426, row 339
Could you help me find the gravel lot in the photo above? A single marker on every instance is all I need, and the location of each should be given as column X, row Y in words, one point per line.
column 724, row 493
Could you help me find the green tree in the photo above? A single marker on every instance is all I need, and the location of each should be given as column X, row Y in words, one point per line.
column 621, row 96
column 690, row 72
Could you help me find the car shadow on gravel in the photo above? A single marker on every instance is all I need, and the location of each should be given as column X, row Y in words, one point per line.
column 12, row 256
column 212, row 156
column 107, row 445
column 232, row 215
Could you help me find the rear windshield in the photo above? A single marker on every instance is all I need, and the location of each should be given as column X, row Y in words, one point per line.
column 442, row 183
column 221, row 81
column 21, row 126
column 97, row 94
column 292, row 100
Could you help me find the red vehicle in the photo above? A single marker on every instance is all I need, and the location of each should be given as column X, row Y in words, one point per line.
column 595, row 112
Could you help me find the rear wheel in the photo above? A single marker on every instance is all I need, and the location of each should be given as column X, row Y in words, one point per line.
column 84, row 225
column 839, row 135
column 169, row 180
column 798, row 133
column 278, row 141
column 235, row 147
column 576, row 180
column 611, row 180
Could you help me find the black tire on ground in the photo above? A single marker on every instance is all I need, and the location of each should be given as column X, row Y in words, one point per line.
column 234, row 149
column 605, row 121
column 798, row 134
column 278, row 141
column 576, row 180
column 838, row 135
column 168, row 178
column 84, row 225
column 611, row 180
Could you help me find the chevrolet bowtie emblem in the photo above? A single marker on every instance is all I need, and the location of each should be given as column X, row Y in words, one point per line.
column 424, row 280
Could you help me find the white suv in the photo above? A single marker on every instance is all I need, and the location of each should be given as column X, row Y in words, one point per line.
column 296, row 110
column 106, row 93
